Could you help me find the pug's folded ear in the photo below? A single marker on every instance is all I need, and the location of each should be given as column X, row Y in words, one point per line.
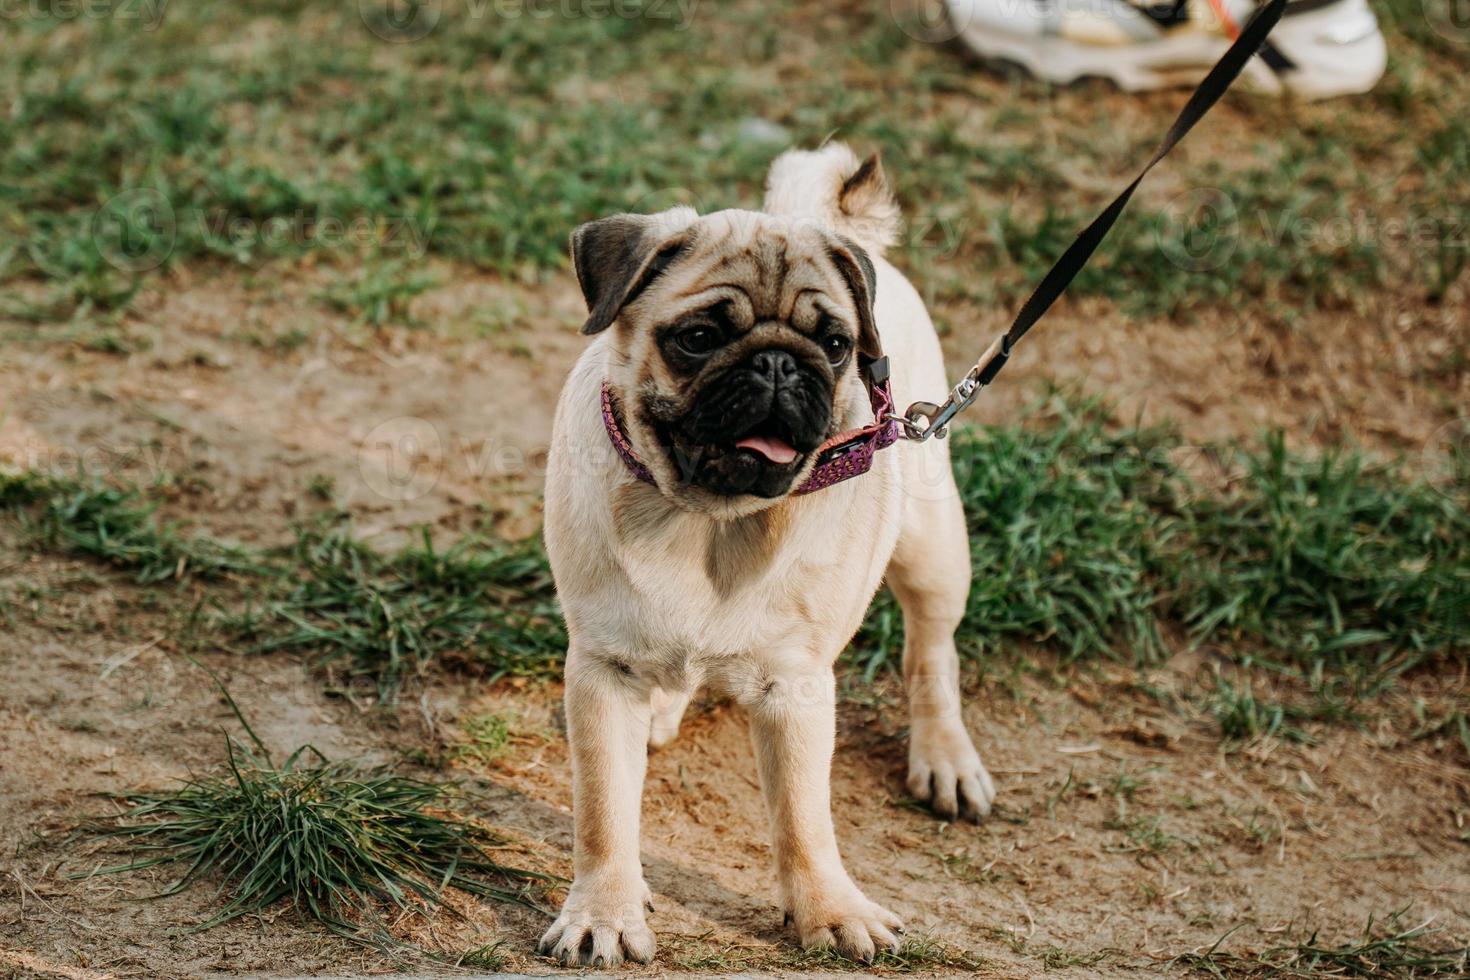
column 862, row 281
column 616, row 257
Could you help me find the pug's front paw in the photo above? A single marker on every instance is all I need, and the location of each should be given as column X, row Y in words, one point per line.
column 602, row 923
column 841, row 917
column 945, row 771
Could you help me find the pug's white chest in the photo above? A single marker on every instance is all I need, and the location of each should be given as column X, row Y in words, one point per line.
column 689, row 601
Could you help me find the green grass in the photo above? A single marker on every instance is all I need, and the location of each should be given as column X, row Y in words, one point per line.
column 1390, row 952
column 480, row 607
column 486, row 737
column 489, row 958
column 379, row 293
column 1315, row 557
column 118, row 526
column 1453, row 724
column 1070, row 524
column 124, row 150
column 1144, row 837
column 1070, row 521
column 1091, row 538
column 338, row 843
column 1243, row 717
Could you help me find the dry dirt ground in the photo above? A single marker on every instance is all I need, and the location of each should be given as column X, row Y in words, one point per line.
column 1126, row 834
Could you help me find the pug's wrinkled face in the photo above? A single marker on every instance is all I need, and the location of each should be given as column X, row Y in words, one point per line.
column 736, row 338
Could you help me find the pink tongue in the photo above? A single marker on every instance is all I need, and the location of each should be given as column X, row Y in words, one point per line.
column 773, row 449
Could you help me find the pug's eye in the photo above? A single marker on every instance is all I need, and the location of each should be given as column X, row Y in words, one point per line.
column 698, row 340
column 836, row 347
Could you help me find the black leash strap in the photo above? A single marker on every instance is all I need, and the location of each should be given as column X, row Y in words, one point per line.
column 924, row 419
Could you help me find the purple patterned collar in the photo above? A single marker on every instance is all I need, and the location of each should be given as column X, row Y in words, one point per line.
column 842, row 457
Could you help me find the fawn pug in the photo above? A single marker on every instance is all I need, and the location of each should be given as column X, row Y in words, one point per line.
column 728, row 349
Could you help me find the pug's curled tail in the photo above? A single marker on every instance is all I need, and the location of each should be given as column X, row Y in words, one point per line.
column 832, row 186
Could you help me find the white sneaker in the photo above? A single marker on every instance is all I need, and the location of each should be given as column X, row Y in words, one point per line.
column 1320, row 49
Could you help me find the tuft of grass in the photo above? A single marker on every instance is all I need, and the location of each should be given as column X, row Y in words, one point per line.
column 1245, row 718
column 490, row 958
column 1144, row 836
column 119, row 527
column 480, row 606
column 339, row 843
column 1454, row 724
column 1061, row 958
column 1069, row 522
column 322, row 487
column 1398, row 953
column 486, row 736
column 484, row 607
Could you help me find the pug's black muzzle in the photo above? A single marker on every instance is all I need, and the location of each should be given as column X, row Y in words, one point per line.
column 772, row 394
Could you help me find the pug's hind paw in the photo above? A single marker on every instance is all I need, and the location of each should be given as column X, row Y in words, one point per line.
column 852, row 925
column 945, row 771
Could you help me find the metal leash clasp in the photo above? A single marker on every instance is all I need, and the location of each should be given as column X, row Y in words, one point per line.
column 925, row 419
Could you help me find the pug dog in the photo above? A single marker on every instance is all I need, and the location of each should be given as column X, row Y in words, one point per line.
column 727, row 349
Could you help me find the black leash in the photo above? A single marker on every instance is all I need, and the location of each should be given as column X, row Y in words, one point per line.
column 925, row 419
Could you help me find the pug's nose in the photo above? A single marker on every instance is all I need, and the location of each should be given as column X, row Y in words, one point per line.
column 778, row 365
